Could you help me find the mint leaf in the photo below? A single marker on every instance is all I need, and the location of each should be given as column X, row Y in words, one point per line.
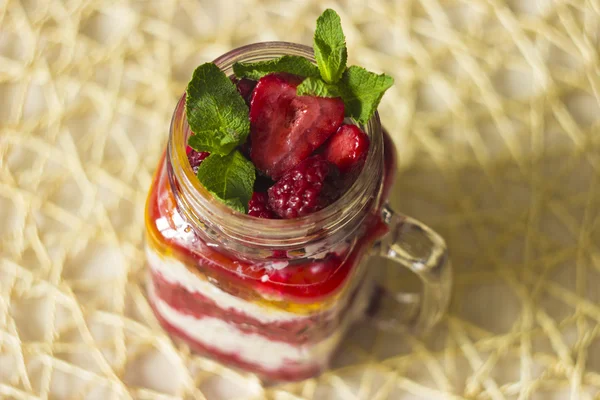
column 362, row 91
column 316, row 87
column 291, row 64
column 229, row 178
column 330, row 46
column 216, row 112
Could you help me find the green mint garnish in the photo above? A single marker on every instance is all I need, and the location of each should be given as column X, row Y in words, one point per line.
column 229, row 178
column 317, row 87
column 218, row 117
column 360, row 90
column 290, row 64
column 330, row 46
column 216, row 112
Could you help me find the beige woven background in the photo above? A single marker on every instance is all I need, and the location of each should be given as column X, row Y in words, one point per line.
column 496, row 117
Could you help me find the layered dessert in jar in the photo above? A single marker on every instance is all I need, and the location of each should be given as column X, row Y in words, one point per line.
column 266, row 202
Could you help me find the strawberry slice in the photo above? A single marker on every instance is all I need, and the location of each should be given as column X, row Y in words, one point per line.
column 347, row 148
column 285, row 128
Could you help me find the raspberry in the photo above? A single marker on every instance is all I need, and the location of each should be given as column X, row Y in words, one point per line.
column 195, row 158
column 258, row 206
column 297, row 192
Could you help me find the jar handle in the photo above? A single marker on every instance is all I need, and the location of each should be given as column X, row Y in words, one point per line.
column 413, row 245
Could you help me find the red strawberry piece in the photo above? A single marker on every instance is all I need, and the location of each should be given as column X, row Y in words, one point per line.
column 258, row 206
column 286, row 128
column 347, row 148
column 297, row 192
column 245, row 88
column 195, row 158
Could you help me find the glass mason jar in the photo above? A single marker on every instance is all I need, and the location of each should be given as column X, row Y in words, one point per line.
column 275, row 296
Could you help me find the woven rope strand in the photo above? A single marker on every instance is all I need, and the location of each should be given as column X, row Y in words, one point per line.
column 495, row 115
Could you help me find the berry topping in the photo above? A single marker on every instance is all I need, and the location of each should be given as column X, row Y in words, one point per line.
column 195, row 158
column 347, row 148
column 287, row 127
column 278, row 113
column 245, row 88
column 258, row 206
column 297, row 192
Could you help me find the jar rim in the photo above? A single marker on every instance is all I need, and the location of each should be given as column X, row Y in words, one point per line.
column 202, row 208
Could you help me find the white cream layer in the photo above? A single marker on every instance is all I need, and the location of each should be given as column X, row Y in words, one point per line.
column 253, row 348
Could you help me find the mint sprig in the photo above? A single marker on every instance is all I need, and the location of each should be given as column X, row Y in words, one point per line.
column 229, row 178
column 330, row 46
column 291, row 64
column 216, row 112
column 360, row 90
column 218, row 117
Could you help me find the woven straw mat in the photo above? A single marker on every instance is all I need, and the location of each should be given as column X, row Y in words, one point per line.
column 496, row 117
